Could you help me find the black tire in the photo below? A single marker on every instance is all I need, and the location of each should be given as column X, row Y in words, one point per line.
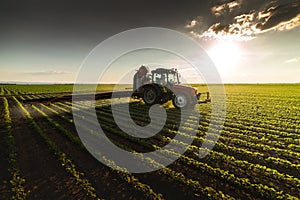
column 181, row 100
column 150, row 95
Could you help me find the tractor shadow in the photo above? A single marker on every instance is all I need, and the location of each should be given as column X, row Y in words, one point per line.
column 139, row 113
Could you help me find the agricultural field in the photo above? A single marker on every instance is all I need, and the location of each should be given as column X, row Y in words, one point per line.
column 257, row 155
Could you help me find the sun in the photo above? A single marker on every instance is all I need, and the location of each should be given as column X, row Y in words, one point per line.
column 225, row 55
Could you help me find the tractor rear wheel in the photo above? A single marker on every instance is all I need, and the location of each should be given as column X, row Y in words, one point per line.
column 181, row 100
column 150, row 96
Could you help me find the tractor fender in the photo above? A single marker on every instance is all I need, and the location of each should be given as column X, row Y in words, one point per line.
column 184, row 89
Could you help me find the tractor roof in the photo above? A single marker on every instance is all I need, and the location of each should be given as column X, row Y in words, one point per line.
column 162, row 70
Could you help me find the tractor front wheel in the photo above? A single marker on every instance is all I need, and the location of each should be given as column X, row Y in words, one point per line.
column 181, row 100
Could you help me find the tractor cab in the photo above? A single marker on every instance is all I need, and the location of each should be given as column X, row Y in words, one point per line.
column 165, row 77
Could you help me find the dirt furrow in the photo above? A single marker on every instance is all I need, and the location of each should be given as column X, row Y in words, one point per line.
column 107, row 183
column 4, row 173
column 45, row 178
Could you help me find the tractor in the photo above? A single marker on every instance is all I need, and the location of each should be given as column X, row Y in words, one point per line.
column 163, row 85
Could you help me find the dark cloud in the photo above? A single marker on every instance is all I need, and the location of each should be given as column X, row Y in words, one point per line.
column 281, row 13
column 241, row 19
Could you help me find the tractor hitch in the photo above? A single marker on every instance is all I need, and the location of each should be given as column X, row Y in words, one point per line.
column 206, row 100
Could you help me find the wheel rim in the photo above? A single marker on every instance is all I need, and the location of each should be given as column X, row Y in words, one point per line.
column 180, row 101
column 150, row 96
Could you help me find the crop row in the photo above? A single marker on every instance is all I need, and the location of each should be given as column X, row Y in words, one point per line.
column 233, row 137
column 268, row 124
column 130, row 179
column 285, row 163
column 240, row 137
column 17, row 182
column 263, row 189
column 255, row 145
column 1, row 90
column 175, row 176
column 239, row 164
column 65, row 162
column 255, row 135
column 274, row 131
column 277, row 117
column 210, row 170
column 282, row 115
column 273, row 162
column 259, row 128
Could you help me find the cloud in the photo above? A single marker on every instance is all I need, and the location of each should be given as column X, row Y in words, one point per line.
column 197, row 24
column 219, row 10
column 244, row 20
column 293, row 60
column 191, row 24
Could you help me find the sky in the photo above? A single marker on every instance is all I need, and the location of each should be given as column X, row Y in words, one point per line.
column 250, row 41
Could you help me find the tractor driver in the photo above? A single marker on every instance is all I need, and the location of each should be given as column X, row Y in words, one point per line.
column 163, row 80
column 140, row 78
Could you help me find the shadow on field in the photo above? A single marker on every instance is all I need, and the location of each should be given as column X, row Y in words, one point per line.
column 139, row 113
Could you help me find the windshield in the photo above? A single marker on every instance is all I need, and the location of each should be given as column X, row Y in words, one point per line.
column 165, row 78
column 160, row 78
column 173, row 78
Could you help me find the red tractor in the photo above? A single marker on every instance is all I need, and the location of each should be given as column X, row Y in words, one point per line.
column 163, row 85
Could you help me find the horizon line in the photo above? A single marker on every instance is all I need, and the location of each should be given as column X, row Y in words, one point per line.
column 84, row 83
